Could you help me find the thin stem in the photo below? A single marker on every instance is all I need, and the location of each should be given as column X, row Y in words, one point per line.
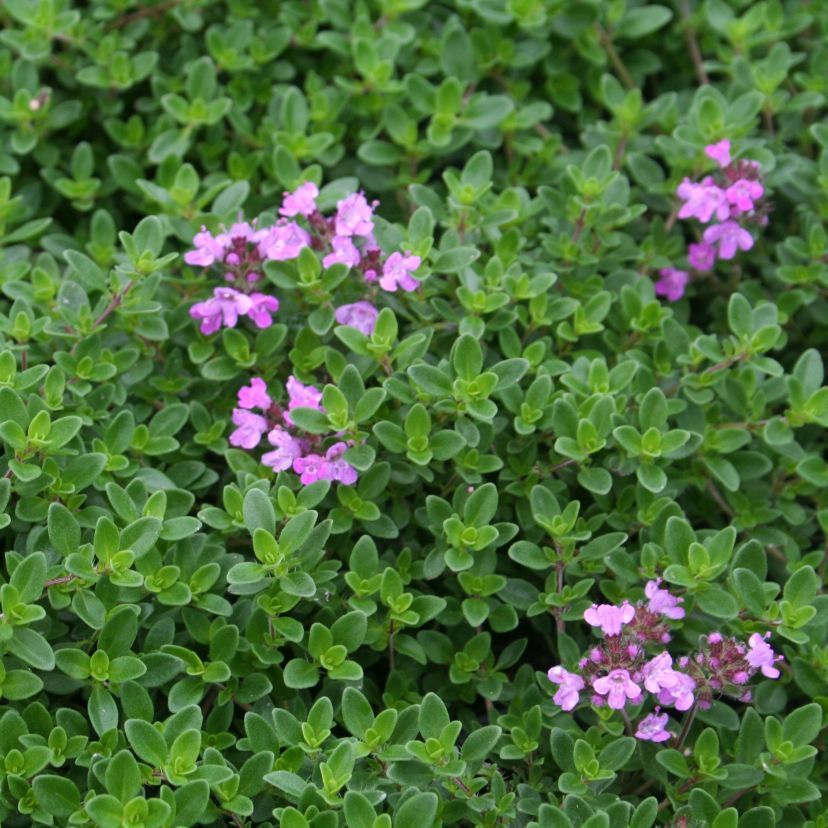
column 693, row 43
column 615, row 58
column 717, row 496
column 560, row 624
column 685, row 729
column 391, row 655
column 627, row 723
column 114, row 302
column 146, row 11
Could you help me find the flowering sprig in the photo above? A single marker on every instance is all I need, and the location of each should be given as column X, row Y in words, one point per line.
column 729, row 201
column 300, row 452
column 346, row 237
column 620, row 672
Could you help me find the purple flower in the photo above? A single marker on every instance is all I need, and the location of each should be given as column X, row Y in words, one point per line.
column 569, row 687
column 397, row 270
column 261, row 308
column 224, row 308
column 344, row 252
column 310, row 468
column 680, row 694
column 338, row 469
column 663, row 602
column 301, row 202
column 672, row 283
column 702, row 256
column 609, row 618
column 250, row 429
column 653, row 728
column 307, row 396
column 255, row 395
column 743, row 193
column 359, row 315
column 288, row 449
column 720, row 152
column 658, row 674
column 761, row 656
column 284, row 241
column 617, row 686
column 302, row 396
column 703, row 200
column 208, row 249
column 354, row 216
column 730, row 237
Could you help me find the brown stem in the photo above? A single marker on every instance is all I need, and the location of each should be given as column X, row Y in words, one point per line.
column 463, row 786
column 615, row 58
column 685, row 729
column 683, row 788
column 717, row 496
column 693, row 43
column 147, row 11
column 560, row 624
column 114, row 303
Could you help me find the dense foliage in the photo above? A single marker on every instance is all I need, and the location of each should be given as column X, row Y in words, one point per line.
column 413, row 413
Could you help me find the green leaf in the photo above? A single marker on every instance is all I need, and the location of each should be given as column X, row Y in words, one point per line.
column 417, row 811
column 57, row 795
column 146, row 741
column 259, row 512
column 480, row 743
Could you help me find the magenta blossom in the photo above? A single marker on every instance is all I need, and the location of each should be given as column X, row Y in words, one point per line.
column 702, row 256
column 287, row 450
column 610, row 618
column 658, row 674
column 224, row 308
column 284, row 241
column 301, row 202
column 761, row 656
column 337, row 468
column 360, row 315
column 301, row 396
column 703, row 200
column 679, row 694
column 719, row 152
column 344, row 252
column 255, row 395
column 251, row 426
column 208, row 249
column 310, row 468
column 617, row 686
column 663, row 602
column 261, row 309
column 743, row 193
column 730, row 237
column 672, row 283
column 569, row 687
column 653, row 728
column 397, row 270
column 354, row 216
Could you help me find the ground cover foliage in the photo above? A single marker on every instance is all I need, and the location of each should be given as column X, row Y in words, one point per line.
column 413, row 413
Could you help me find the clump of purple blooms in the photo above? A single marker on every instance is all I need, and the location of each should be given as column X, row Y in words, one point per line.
column 302, row 453
column 729, row 201
column 347, row 237
column 620, row 672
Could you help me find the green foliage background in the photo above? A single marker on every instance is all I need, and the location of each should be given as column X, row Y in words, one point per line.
column 187, row 639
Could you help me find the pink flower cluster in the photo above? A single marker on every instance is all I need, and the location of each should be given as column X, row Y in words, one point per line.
column 620, row 672
column 347, row 237
column 726, row 201
column 301, row 453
